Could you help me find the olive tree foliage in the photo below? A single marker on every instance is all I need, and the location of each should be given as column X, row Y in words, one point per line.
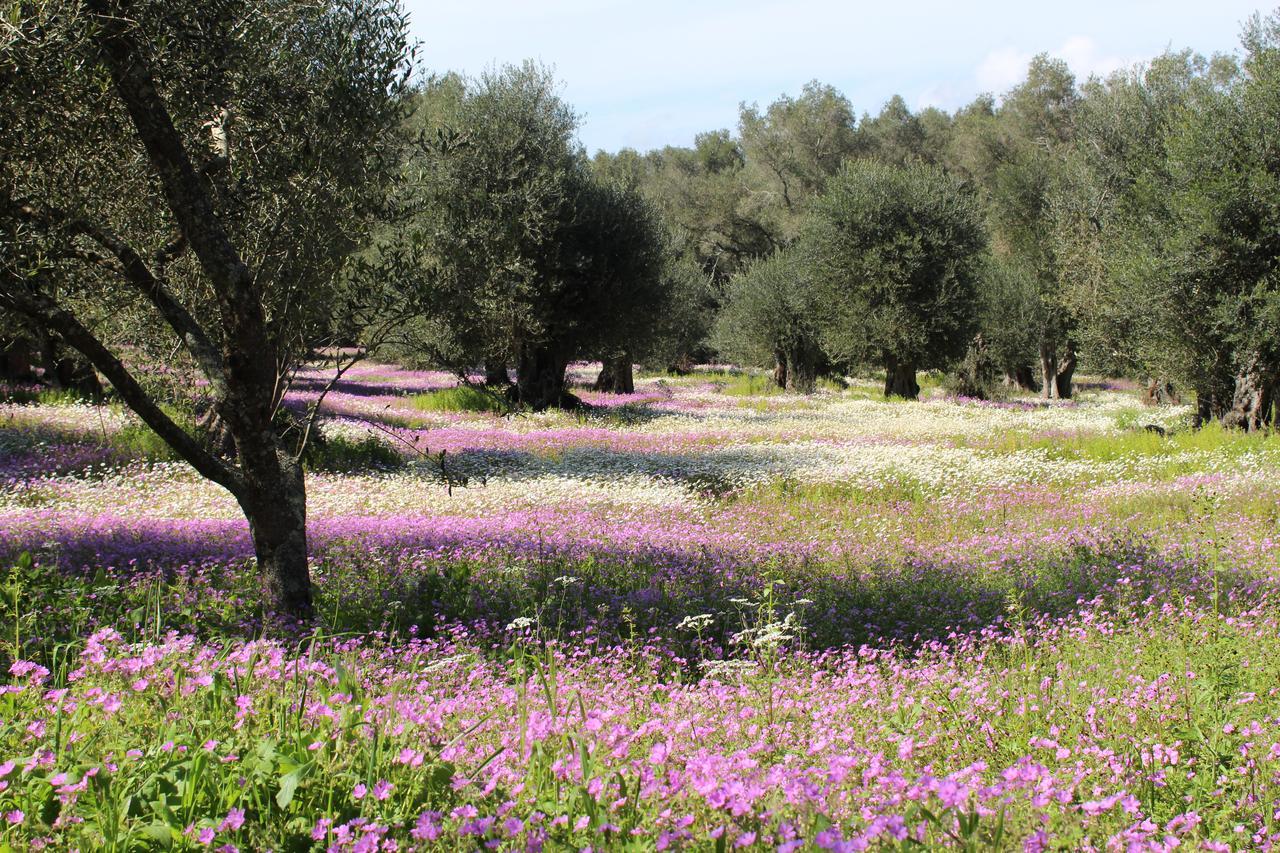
column 680, row 334
column 791, row 148
column 1223, row 259
column 898, row 136
column 525, row 257
column 1114, row 213
column 896, row 254
column 626, row 166
column 714, row 225
column 192, row 177
column 1013, row 154
column 704, row 197
column 1167, row 225
column 969, row 153
column 768, row 318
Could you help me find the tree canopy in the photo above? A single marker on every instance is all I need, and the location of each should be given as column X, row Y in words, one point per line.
column 187, row 175
column 896, row 253
column 525, row 255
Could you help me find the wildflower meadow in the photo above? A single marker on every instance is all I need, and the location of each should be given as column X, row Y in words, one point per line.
column 704, row 616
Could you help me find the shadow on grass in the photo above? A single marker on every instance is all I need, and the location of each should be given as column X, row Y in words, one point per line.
column 355, row 387
column 198, row 577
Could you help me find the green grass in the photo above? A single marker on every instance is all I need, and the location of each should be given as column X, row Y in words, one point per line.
column 137, row 440
column 762, row 385
column 750, row 386
column 462, row 398
column 1140, row 442
column 342, row 454
column 42, row 396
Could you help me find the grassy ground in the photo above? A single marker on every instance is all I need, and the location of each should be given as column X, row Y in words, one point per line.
column 706, row 616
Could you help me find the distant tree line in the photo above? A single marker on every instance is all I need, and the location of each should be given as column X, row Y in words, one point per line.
column 198, row 198
column 1127, row 224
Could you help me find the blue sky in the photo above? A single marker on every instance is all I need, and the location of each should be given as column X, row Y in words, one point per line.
column 649, row 74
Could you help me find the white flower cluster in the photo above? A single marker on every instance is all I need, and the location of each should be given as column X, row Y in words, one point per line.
column 935, row 448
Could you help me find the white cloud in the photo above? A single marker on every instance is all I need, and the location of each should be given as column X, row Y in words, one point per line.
column 1087, row 59
column 1002, row 69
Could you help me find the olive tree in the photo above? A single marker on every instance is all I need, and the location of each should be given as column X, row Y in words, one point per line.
column 1115, row 214
column 485, row 190
column 895, row 253
column 791, row 148
column 768, row 318
column 1013, row 154
column 200, row 172
column 524, row 255
column 1166, row 232
column 706, row 199
column 1225, row 251
column 620, row 278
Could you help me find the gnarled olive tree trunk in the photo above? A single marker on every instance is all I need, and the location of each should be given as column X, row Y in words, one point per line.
column 59, row 366
column 1021, row 377
column 1066, row 370
column 681, row 366
column 1055, row 374
column 540, row 382
column 617, row 375
column 780, row 367
column 900, row 379
column 1253, row 397
column 802, row 368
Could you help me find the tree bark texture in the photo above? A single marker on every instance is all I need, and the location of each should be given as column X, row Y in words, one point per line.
column 1214, row 390
column 900, row 379
column 1022, row 377
column 275, row 503
column 1048, row 371
column 1253, row 398
column 617, row 375
column 802, row 368
column 1066, row 370
column 540, row 381
column 780, row 367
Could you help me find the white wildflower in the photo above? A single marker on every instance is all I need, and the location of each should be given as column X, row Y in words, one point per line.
column 695, row 623
column 720, row 669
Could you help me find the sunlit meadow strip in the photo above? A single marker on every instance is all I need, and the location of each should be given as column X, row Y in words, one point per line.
column 431, row 745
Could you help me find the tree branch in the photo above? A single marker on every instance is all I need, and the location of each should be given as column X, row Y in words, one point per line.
column 187, row 197
column 135, row 271
column 249, row 372
column 339, row 370
column 26, row 299
column 138, row 274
